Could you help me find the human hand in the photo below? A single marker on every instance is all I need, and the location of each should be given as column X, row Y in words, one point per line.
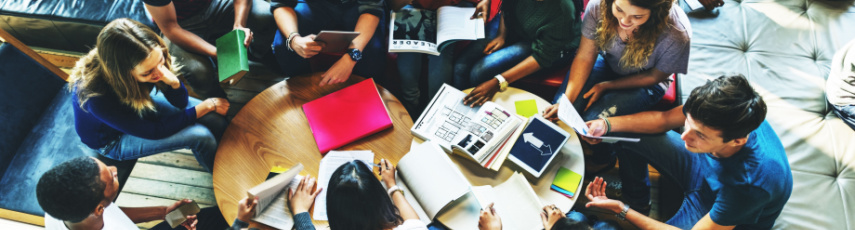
column 496, row 44
column 595, row 93
column 596, row 193
column 221, row 105
column 339, row 72
column 489, row 219
column 387, row 173
column 550, row 215
column 168, row 77
column 597, row 128
column 482, row 93
column 306, row 46
column 190, row 223
column 302, row 198
column 711, row 4
column 246, row 209
column 551, row 113
column 248, row 33
column 482, row 10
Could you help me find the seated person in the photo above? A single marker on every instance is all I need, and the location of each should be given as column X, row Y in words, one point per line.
column 118, row 112
column 529, row 36
column 840, row 87
column 299, row 23
column 355, row 200
column 628, row 50
column 729, row 162
column 552, row 218
column 299, row 201
column 191, row 28
column 79, row 194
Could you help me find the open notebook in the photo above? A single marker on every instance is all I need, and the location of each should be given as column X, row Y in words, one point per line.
column 436, row 189
column 272, row 208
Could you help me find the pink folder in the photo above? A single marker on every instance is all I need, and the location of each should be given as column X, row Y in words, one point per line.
column 347, row 115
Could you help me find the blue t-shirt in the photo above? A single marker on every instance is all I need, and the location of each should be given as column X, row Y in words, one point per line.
column 752, row 186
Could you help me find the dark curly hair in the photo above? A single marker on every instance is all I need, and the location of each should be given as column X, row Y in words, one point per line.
column 71, row 190
column 729, row 104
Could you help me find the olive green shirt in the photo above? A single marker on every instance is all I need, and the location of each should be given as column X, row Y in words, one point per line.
column 552, row 26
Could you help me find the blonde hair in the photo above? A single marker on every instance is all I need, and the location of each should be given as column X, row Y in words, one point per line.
column 106, row 69
column 640, row 47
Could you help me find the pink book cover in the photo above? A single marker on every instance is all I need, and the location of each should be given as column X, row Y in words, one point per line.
column 347, row 115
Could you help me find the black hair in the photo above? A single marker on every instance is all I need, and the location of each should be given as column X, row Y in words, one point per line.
column 570, row 224
column 729, row 104
column 71, row 190
column 356, row 200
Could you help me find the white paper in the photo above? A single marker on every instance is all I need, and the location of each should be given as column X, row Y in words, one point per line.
column 328, row 165
column 277, row 214
column 571, row 117
column 694, row 4
column 445, row 118
column 432, row 178
column 454, row 23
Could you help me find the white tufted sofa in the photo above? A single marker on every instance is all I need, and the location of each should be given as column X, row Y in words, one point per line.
column 784, row 47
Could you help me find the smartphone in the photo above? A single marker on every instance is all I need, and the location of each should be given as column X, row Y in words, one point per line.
column 179, row 215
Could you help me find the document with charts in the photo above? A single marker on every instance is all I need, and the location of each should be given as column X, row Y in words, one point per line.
column 483, row 134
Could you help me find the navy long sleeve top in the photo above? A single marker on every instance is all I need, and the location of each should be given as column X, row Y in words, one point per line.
column 105, row 118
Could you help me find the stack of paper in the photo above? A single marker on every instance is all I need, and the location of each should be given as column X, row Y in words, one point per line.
column 566, row 182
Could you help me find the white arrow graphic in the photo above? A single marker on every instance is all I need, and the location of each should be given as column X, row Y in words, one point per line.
column 537, row 144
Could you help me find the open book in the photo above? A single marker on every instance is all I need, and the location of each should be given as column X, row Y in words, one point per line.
column 483, row 134
column 272, row 208
column 445, row 195
column 569, row 115
column 425, row 31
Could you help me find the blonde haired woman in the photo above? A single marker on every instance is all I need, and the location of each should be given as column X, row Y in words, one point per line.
column 128, row 103
column 628, row 50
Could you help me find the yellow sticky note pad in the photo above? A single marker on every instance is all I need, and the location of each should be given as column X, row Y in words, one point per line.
column 277, row 169
column 567, row 180
column 526, row 108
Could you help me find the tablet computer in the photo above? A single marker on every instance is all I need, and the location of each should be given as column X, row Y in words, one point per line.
column 538, row 145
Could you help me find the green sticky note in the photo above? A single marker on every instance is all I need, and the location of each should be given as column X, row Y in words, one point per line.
column 567, row 180
column 526, row 108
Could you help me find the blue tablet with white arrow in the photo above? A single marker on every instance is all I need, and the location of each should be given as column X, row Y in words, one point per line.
column 538, row 145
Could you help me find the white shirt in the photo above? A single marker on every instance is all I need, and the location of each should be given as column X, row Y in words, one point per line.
column 114, row 218
column 414, row 224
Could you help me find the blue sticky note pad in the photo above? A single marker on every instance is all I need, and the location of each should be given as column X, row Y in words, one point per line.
column 561, row 190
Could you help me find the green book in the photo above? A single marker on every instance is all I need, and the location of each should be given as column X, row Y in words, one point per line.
column 231, row 57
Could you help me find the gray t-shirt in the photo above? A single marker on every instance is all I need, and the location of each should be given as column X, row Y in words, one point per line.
column 670, row 54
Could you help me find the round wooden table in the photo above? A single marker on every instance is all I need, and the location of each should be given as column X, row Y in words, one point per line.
column 272, row 130
column 571, row 158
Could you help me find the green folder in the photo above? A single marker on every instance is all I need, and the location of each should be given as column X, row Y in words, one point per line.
column 567, row 180
column 231, row 57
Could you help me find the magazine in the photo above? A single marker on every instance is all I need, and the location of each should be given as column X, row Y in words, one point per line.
column 426, row 31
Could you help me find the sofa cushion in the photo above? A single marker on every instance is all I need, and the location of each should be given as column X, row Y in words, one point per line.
column 784, row 47
column 27, row 90
column 71, row 25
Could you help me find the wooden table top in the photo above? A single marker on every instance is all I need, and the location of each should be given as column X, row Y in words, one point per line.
column 272, row 130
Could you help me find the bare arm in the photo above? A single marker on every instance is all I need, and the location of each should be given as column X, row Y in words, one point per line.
column 145, row 214
column 341, row 70
column 649, row 122
column 286, row 20
column 242, row 8
column 387, row 175
column 167, row 21
column 584, row 61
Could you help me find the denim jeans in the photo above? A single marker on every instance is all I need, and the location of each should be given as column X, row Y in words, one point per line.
column 846, row 113
column 667, row 153
column 410, row 70
column 202, row 137
column 633, row 169
column 314, row 16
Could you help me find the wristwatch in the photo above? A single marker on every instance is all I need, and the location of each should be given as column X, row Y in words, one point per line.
column 622, row 214
column 355, row 54
column 503, row 84
column 393, row 189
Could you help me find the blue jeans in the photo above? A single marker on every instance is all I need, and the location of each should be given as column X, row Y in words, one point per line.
column 633, row 169
column 314, row 16
column 473, row 67
column 202, row 137
column 410, row 70
column 846, row 113
column 667, row 153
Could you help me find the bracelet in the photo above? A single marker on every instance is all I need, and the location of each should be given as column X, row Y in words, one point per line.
column 394, row 189
column 622, row 214
column 213, row 102
column 288, row 41
column 608, row 126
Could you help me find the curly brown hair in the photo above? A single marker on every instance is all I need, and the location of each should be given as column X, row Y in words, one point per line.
column 639, row 49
